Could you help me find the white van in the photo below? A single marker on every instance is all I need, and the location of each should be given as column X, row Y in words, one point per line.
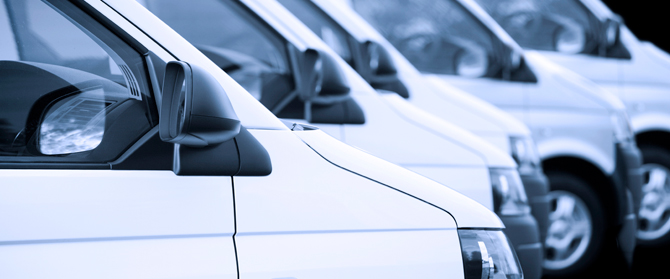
column 595, row 44
column 581, row 130
column 361, row 46
column 278, row 73
column 107, row 174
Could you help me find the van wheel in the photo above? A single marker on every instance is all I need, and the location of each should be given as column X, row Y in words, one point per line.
column 576, row 226
column 654, row 214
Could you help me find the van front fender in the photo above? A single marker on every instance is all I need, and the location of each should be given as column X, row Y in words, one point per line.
column 650, row 122
column 567, row 147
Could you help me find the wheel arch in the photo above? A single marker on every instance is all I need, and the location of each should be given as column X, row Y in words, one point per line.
column 593, row 176
column 656, row 137
column 650, row 123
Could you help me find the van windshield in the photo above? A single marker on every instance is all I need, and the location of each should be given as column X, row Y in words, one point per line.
column 232, row 37
column 440, row 37
column 321, row 24
column 555, row 25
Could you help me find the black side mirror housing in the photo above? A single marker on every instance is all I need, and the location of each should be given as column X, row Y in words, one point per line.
column 322, row 89
column 197, row 116
column 611, row 45
column 195, row 110
column 375, row 65
column 320, row 80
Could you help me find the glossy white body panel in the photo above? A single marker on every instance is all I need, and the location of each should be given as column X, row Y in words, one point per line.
column 338, row 200
column 567, row 114
column 397, row 131
column 411, row 139
column 136, row 259
column 311, row 218
column 149, row 224
column 426, row 254
column 640, row 82
column 433, row 95
column 473, row 215
column 456, row 175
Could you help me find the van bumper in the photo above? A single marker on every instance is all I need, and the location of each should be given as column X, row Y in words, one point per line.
column 627, row 178
column 537, row 190
column 628, row 171
column 524, row 235
column 627, row 237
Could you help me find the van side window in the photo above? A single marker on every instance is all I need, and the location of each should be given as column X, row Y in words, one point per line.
column 328, row 30
column 253, row 53
column 228, row 34
column 7, row 47
column 436, row 36
column 70, row 90
column 555, row 25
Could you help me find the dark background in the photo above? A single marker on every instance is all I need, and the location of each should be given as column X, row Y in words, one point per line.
column 649, row 20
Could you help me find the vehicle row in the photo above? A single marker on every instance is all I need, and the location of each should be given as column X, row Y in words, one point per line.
column 298, row 138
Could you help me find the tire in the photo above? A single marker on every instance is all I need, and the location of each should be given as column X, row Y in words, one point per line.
column 654, row 214
column 646, row 260
column 577, row 222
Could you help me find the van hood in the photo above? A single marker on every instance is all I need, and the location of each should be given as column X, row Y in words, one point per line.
column 552, row 75
column 493, row 156
column 467, row 212
column 476, row 108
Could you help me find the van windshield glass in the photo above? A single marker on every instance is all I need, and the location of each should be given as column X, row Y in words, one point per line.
column 322, row 25
column 440, row 37
column 233, row 38
column 556, row 25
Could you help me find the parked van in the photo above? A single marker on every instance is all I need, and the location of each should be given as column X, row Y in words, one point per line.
column 361, row 46
column 126, row 153
column 595, row 44
column 384, row 125
column 581, row 130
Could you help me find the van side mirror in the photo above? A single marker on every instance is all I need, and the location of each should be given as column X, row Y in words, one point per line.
column 323, row 89
column 320, row 81
column 195, row 110
column 375, row 65
column 610, row 40
column 198, row 117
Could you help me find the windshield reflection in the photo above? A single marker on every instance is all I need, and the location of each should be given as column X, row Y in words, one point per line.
column 436, row 36
column 554, row 25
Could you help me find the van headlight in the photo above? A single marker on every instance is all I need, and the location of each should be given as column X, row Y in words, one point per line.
column 509, row 195
column 622, row 130
column 524, row 152
column 488, row 255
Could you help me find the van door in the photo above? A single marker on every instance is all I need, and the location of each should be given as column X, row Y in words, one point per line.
column 87, row 189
